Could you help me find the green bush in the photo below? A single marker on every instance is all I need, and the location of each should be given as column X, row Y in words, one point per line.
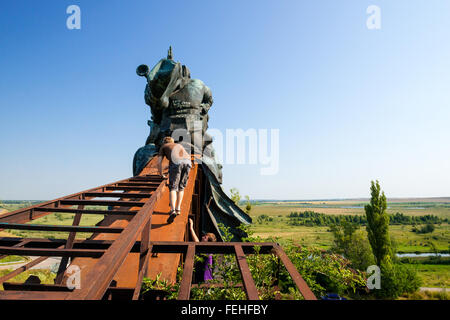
column 353, row 245
column 264, row 218
column 322, row 271
column 428, row 228
column 397, row 279
column 325, row 272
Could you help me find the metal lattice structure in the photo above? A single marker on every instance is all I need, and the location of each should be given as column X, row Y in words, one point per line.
column 122, row 248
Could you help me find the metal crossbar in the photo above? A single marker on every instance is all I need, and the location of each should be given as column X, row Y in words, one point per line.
column 240, row 249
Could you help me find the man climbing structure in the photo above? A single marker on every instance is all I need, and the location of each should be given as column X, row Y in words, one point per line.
column 179, row 168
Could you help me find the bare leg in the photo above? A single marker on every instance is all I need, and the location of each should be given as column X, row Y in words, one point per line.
column 179, row 199
column 173, row 199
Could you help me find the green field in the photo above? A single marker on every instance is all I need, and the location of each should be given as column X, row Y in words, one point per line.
column 412, row 208
column 51, row 219
column 406, row 240
column 276, row 227
column 434, row 275
column 278, row 211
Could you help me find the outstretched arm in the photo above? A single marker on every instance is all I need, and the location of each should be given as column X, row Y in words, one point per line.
column 191, row 228
column 160, row 168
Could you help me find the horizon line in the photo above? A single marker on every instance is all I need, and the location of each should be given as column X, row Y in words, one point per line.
column 287, row 200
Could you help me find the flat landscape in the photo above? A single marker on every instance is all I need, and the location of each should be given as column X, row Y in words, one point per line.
column 272, row 221
column 277, row 221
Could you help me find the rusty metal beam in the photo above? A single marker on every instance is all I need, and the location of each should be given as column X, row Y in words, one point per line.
column 153, row 178
column 69, row 210
column 22, row 243
column 35, row 287
column 124, row 195
column 130, row 188
column 210, row 247
column 295, row 275
column 144, row 252
column 137, row 184
column 112, row 203
column 142, row 271
column 44, row 227
column 31, row 295
column 52, row 252
column 249, row 284
column 69, row 245
column 185, row 286
column 55, row 243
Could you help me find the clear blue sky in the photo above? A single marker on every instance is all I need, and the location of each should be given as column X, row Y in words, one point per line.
column 352, row 104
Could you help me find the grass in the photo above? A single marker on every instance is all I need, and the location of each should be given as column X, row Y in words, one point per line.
column 433, row 275
column 46, row 276
column 54, row 219
column 427, row 295
column 412, row 208
column 13, row 259
column 406, row 240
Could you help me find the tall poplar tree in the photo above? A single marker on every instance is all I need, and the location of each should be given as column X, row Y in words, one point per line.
column 378, row 224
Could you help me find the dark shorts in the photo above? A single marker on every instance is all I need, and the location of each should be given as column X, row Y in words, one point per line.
column 178, row 175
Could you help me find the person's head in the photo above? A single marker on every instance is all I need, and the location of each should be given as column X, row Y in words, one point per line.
column 168, row 140
column 209, row 237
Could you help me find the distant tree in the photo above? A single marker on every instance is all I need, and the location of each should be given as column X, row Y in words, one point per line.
column 352, row 244
column 248, row 206
column 396, row 278
column 428, row 228
column 378, row 224
column 235, row 196
column 264, row 218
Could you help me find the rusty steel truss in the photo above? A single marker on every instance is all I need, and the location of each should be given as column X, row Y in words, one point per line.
column 135, row 200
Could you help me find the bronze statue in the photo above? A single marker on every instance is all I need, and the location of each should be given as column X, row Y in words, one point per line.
column 179, row 106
